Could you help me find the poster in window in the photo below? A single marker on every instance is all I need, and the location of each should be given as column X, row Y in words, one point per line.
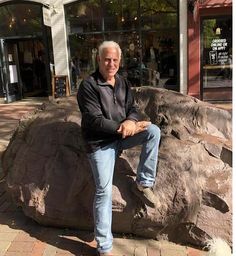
column 219, row 52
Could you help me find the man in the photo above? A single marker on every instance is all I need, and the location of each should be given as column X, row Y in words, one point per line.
column 110, row 123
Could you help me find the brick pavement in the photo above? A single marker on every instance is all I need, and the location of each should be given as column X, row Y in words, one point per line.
column 21, row 236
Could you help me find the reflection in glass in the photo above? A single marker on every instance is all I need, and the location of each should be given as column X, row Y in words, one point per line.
column 217, row 52
column 120, row 15
column 147, row 32
column 85, row 16
column 20, row 19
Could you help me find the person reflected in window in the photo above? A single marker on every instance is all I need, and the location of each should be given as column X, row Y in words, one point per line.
column 75, row 70
column 151, row 59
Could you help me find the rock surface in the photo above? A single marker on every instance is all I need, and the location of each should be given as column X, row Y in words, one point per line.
column 48, row 174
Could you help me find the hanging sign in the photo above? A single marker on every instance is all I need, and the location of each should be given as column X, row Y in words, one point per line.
column 46, row 17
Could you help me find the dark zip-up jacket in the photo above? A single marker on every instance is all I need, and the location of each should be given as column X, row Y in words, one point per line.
column 104, row 108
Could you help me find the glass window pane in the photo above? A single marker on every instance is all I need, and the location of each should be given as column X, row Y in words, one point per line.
column 20, row 20
column 136, row 25
column 159, row 23
column 83, row 48
column 158, row 14
column 217, row 52
column 120, row 15
column 85, row 16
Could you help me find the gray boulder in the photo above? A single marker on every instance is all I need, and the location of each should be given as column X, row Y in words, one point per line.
column 48, row 174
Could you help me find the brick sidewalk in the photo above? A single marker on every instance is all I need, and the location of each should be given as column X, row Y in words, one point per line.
column 21, row 236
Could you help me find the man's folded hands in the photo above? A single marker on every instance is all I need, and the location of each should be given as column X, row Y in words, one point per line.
column 130, row 127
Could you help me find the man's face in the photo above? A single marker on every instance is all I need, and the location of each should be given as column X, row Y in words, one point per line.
column 109, row 63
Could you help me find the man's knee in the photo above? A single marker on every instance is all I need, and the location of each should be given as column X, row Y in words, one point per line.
column 154, row 131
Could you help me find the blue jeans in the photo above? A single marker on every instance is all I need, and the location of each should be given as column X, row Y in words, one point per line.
column 102, row 162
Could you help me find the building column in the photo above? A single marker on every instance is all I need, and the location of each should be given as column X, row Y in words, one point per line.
column 183, row 53
column 59, row 38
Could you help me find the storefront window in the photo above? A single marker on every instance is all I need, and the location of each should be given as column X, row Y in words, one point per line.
column 20, row 20
column 25, row 51
column 120, row 15
column 216, row 53
column 146, row 32
column 85, row 17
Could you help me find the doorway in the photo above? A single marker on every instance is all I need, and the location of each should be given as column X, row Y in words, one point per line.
column 24, row 68
column 25, row 51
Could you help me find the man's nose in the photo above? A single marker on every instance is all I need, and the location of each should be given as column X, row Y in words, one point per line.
column 111, row 62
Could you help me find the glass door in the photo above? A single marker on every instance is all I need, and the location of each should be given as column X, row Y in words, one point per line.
column 10, row 71
column 216, row 63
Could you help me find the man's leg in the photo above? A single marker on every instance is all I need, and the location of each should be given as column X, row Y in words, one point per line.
column 149, row 139
column 102, row 163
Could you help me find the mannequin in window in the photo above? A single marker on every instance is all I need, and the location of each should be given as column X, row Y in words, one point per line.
column 94, row 56
column 151, row 59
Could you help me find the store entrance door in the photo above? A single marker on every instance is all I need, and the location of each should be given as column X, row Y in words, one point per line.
column 24, row 68
column 10, row 79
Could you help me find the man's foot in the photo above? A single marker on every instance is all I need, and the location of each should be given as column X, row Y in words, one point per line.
column 146, row 195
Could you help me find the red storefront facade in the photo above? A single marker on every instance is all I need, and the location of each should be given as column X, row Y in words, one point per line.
column 210, row 50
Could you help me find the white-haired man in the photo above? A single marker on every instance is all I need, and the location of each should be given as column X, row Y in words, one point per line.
column 110, row 123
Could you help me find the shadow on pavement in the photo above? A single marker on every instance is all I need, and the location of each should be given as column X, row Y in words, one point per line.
column 55, row 240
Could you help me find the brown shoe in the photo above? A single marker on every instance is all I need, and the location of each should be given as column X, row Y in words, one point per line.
column 146, row 195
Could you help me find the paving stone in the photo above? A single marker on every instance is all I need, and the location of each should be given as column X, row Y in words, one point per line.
column 17, row 254
column 8, row 236
column 140, row 251
column 38, row 249
column 152, row 251
column 4, row 245
column 50, row 250
column 173, row 252
column 123, row 246
column 7, row 229
column 21, row 246
column 154, row 244
column 24, row 237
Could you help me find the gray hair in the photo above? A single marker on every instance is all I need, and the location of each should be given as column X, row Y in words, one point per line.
column 108, row 44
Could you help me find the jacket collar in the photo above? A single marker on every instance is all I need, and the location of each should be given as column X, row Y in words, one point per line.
column 100, row 80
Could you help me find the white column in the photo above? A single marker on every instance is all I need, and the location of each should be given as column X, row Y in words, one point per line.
column 183, row 46
column 59, row 38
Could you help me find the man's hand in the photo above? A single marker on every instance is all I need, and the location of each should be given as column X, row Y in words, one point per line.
column 141, row 126
column 129, row 127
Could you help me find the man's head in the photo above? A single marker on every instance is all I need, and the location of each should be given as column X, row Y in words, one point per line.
column 109, row 56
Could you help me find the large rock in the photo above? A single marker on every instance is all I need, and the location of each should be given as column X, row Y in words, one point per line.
column 48, row 174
